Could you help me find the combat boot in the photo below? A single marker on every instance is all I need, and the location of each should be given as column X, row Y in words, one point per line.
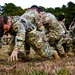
column 56, row 56
column 64, row 55
column 70, row 53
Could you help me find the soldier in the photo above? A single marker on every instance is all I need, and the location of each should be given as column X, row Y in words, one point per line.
column 21, row 30
column 33, row 16
column 54, row 31
column 62, row 19
column 67, row 41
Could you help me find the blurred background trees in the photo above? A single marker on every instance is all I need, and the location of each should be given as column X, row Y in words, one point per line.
column 69, row 11
column 11, row 10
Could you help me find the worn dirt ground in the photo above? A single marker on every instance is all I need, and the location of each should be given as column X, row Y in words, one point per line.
column 36, row 65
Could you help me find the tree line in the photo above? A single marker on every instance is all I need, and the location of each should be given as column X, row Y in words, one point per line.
column 9, row 9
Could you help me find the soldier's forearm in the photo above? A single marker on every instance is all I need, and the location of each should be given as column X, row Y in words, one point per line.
column 18, row 45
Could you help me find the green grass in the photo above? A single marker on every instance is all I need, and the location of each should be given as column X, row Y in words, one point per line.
column 61, row 71
column 36, row 66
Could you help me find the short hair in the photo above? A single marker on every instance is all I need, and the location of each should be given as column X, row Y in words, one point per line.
column 40, row 10
column 61, row 17
column 34, row 7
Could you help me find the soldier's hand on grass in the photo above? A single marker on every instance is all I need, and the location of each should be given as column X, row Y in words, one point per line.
column 13, row 56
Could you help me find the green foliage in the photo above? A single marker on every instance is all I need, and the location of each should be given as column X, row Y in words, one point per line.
column 51, row 10
column 69, row 10
column 21, row 72
column 61, row 71
column 44, row 9
column 11, row 10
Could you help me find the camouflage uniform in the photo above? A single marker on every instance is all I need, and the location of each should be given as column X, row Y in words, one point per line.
column 24, row 29
column 33, row 17
column 63, row 25
column 54, row 31
column 67, row 38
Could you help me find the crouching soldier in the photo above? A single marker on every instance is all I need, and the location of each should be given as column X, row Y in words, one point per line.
column 20, row 31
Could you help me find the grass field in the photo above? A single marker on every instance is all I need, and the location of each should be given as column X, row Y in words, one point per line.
column 36, row 65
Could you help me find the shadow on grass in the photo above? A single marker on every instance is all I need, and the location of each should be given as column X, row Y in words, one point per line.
column 38, row 59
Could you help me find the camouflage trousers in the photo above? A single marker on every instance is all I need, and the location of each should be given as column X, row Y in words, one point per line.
column 37, row 41
column 58, row 41
column 67, row 41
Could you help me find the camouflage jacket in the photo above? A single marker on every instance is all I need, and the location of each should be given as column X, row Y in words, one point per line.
column 19, row 29
column 51, row 24
column 32, row 16
column 63, row 25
